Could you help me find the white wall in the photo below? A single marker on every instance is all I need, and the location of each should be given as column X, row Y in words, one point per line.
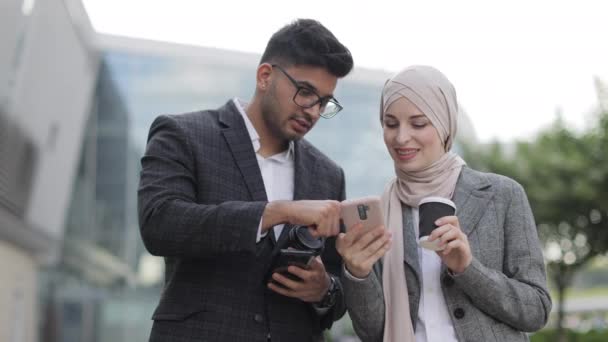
column 51, row 102
column 10, row 20
column 18, row 295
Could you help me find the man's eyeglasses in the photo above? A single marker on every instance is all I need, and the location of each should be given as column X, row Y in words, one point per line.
column 306, row 97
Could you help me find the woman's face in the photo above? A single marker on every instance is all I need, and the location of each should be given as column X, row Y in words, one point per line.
column 411, row 139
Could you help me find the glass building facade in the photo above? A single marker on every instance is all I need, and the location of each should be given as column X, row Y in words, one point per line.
column 94, row 293
column 175, row 81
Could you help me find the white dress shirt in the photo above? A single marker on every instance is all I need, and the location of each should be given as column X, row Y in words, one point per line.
column 277, row 170
column 434, row 322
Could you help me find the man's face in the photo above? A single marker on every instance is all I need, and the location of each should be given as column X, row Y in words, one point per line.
column 284, row 118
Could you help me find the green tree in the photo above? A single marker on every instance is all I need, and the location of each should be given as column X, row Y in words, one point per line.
column 565, row 175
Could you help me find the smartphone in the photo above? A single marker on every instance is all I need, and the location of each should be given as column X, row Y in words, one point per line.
column 365, row 210
column 289, row 257
column 296, row 257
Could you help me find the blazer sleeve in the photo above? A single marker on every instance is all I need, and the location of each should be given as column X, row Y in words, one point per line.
column 365, row 303
column 518, row 295
column 172, row 223
column 333, row 265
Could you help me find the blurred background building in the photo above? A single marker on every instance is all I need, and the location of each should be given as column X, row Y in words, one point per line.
column 75, row 108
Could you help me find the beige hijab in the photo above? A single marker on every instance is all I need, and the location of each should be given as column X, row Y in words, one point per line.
column 435, row 96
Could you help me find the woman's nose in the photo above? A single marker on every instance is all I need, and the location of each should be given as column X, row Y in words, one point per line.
column 403, row 135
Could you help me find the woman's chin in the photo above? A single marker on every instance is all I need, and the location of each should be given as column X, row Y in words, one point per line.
column 407, row 166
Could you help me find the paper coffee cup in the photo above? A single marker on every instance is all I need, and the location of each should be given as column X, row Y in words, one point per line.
column 430, row 209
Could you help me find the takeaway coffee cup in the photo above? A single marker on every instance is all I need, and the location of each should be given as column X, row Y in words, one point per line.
column 429, row 210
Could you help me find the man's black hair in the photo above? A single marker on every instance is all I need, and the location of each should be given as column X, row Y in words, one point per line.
column 308, row 42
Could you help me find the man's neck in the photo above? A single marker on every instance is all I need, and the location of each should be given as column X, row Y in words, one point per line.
column 269, row 143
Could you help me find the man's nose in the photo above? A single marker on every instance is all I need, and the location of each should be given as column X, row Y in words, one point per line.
column 314, row 111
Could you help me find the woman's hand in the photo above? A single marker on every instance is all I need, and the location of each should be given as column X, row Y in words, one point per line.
column 361, row 249
column 457, row 252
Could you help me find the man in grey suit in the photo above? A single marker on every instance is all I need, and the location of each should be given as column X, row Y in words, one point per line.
column 221, row 189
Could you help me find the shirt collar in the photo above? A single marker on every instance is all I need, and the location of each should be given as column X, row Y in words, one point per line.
column 255, row 138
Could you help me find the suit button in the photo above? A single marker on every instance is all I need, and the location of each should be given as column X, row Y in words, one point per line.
column 448, row 281
column 459, row 313
column 258, row 318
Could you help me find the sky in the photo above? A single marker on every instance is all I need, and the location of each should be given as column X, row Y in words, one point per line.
column 514, row 64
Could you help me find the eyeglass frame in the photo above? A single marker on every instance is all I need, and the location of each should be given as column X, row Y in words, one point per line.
column 320, row 100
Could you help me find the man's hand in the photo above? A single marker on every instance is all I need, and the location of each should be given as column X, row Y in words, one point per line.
column 360, row 249
column 312, row 287
column 323, row 217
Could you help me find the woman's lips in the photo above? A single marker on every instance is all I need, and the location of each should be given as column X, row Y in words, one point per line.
column 406, row 153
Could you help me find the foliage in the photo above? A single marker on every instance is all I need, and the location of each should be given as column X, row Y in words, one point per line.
column 565, row 174
column 571, row 336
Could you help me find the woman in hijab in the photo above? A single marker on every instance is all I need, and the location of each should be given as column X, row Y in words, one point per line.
column 489, row 282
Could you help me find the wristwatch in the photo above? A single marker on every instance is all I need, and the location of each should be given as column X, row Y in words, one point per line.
column 330, row 296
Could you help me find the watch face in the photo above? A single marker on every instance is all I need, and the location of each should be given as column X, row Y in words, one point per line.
column 332, row 285
column 330, row 297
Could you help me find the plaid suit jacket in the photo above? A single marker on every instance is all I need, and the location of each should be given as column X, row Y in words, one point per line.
column 200, row 201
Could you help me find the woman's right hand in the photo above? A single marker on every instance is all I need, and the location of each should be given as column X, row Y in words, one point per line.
column 361, row 249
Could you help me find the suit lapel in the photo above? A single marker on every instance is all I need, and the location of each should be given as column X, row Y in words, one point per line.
column 304, row 177
column 472, row 195
column 304, row 172
column 239, row 142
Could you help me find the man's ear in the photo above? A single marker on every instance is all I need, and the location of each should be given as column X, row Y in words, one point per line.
column 263, row 77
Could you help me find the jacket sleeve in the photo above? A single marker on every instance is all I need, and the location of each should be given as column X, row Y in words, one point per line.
column 518, row 295
column 365, row 303
column 333, row 265
column 172, row 223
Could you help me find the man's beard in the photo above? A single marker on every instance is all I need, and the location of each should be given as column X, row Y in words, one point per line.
column 272, row 118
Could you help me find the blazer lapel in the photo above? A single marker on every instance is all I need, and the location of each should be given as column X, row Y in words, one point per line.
column 304, row 172
column 471, row 196
column 303, row 183
column 239, row 142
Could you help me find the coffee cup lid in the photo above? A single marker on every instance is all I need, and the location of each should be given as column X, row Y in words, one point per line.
column 437, row 199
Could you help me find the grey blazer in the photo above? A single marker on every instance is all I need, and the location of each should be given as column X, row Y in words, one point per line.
column 500, row 296
column 201, row 199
